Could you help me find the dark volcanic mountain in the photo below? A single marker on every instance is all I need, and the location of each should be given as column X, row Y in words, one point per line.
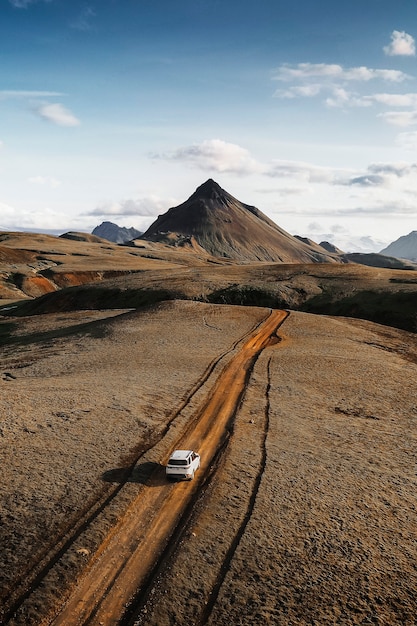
column 330, row 247
column 226, row 227
column 116, row 234
column 403, row 248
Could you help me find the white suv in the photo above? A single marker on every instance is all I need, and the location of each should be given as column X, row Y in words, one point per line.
column 182, row 465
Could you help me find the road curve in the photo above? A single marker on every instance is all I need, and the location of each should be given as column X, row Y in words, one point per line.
column 130, row 551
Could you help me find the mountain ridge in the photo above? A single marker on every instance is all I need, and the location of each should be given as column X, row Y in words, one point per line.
column 404, row 247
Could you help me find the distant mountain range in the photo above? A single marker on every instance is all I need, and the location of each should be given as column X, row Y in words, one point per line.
column 403, row 248
column 349, row 242
column 227, row 228
column 116, row 234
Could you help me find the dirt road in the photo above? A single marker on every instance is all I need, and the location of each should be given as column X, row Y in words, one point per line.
column 132, row 549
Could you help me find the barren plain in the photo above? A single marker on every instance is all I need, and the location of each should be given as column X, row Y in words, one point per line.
column 309, row 512
column 304, row 511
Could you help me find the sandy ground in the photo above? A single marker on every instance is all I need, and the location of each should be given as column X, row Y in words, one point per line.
column 309, row 516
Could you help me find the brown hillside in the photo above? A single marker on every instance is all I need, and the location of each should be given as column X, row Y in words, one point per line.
column 103, row 275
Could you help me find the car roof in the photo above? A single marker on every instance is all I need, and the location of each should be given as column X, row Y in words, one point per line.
column 180, row 454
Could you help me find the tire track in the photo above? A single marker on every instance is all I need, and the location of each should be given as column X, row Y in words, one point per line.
column 154, row 604
column 251, row 504
column 139, row 541
column 36, row 572
column 137, row 604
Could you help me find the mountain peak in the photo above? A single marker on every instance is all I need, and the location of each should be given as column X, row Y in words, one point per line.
column 403, row 248
column 228, row 228
column 116, row 234
column 209, row 190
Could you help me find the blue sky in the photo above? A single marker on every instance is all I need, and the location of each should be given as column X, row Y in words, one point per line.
column 118, row 109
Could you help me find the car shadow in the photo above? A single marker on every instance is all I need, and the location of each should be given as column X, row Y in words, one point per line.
column 149, row 473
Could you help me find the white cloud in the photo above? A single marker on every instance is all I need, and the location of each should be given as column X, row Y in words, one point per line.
column 296, row 189
column 393, row 99
column 301, row 71
column 376, row 183
column 402, row 44
column 400, row 118
column 43, row 220
column 51, row 111
column 344, row 239
column 305, row 71
column 408, row 141
column 383, row 208
column 6, row 211
column 47, row 181
column 23, row 4
column 399, row 169
column 305, row 91
column 342, row 98
column 383, row 175
column 216, row 155
column 331, row 81
column 366, row 74
column 367, row 180
column 140, row 207
column 375, row 199
column 315, row 227
column 57, row 114
column 11, row 93
column 305, row 171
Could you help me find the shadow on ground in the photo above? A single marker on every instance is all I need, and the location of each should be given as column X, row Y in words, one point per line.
column 141, row 473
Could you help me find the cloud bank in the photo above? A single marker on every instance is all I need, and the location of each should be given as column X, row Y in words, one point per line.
column 334, row 72
column 140, row 207
column 347, row 88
